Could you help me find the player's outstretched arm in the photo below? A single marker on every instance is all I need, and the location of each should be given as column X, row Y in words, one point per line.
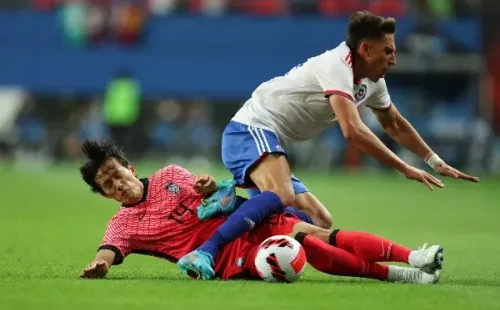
column 358, row 133
column 404, row 133
column 99, row 267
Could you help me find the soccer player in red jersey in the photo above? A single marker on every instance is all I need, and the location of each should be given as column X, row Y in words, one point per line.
column 158, row 217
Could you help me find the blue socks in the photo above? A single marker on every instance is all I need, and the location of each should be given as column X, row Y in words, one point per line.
column 250, row 213
column 301, row 215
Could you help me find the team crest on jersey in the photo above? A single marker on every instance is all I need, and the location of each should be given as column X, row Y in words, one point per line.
column 173, row 188
column 361, row 93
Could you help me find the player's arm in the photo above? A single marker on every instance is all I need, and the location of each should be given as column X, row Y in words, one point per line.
column 114, row 248
column 99, row 267
column 396, row 126
column 205, row 184
column 335, row 77
column 358, row 133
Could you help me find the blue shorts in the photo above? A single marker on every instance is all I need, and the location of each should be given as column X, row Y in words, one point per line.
column 244, row 146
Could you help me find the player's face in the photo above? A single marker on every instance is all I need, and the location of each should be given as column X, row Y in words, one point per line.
column 380, row 56
column 119, row 182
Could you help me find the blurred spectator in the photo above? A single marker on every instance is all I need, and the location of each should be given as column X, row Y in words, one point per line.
column 128, row 20
column 98, row 15
column 122, row 108
column 338, row 8
column 43, row 5
column 163, row 131
column 305, row 7
column 199, row 131
column 32, row 128
column 161, row 7
column 261, row 7
column 11, row 103
column 209, row 7
column 74, row 20
column 395, row 8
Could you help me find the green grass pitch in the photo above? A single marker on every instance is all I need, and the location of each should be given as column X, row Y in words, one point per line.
column 50, row 227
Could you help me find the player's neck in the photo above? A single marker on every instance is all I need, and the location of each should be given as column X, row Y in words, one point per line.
column 358, row 69
column 140, row 196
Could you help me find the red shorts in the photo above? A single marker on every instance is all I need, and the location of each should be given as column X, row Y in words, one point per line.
column 236, row 259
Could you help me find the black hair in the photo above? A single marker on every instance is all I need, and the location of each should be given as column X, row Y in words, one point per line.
column 96, row 153
column 366, row 25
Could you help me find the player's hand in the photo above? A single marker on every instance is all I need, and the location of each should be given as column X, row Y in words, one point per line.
column 421, row 176
column 205, row 184
column 96, row 270
column 445, row 170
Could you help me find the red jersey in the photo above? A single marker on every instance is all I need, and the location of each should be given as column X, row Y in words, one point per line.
column 164, row 223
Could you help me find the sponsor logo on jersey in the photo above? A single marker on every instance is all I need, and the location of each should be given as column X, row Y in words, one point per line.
column 361, row 93
column 240, row 262
column 250, row 223
column 173, row 188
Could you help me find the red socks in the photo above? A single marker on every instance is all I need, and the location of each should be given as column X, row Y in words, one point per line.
column 336, row 261
column 369, row 247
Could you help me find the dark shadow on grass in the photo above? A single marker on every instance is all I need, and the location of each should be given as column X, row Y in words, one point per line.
column 146, row 278
column 333, row 280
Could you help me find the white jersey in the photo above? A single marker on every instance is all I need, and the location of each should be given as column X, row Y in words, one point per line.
column 296, row 106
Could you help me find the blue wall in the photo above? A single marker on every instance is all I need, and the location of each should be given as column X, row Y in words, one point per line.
column 200, row 56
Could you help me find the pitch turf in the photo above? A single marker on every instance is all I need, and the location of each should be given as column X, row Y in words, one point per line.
column 50, row 227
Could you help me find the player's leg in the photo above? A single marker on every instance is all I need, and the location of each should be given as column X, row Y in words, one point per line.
column 251, row 154
column 374, row 248
column 308, row 203
column 311, row 209
column 329, row 259
column 336, row 261
column 253, row 211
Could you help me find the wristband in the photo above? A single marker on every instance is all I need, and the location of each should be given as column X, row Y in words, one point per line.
column 433, row 161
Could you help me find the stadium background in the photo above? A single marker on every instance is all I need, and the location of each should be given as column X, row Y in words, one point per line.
column 163, row 77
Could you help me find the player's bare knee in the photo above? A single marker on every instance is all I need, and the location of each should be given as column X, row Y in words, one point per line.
column 312, row 230
column 321, row 234
column 324, row 221
column 286, row 195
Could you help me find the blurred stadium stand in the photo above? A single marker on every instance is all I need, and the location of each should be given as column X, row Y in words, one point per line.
column 196, row 61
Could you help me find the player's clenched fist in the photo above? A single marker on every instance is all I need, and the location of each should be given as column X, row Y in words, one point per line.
column 205, row 184
column 421, row 176
column 96, row 270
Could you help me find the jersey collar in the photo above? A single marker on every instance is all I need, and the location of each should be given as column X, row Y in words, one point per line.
column 145, row 182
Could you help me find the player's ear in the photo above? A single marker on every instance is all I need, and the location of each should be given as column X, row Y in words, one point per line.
column 131, row 167
column 364, row 49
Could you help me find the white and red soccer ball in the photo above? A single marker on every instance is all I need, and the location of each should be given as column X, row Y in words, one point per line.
column 280, row 259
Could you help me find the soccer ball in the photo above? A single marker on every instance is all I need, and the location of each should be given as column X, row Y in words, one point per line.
column 280, row 259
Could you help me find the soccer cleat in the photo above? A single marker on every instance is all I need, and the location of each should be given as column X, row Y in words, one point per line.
column 412, row 275
column 427, row 259
column 197, row 265
column 221, row 202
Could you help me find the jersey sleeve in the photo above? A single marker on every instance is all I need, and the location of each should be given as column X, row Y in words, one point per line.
column 335, row 78
column 116, row 239
column 380, row 98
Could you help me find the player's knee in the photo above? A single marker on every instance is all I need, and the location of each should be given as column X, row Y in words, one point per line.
column 286, row 195
column 324, row 221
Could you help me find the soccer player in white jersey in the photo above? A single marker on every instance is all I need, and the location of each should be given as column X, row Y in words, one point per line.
column 298, row 106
